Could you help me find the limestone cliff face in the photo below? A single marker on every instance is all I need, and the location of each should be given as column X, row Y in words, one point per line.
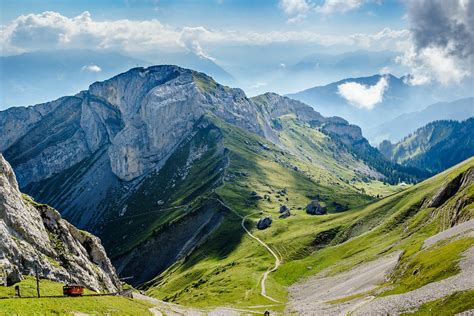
column 34, row 236
column 141, row 115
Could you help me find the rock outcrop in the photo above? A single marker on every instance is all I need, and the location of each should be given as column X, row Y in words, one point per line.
column 264, row 222
column 315, row 208
column 35, row 237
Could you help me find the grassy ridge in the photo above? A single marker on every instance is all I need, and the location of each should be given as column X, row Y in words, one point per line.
column 309, row 244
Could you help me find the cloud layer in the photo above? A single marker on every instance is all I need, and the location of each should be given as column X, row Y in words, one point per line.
column 363, row 96
column 51, row 30
column 297, row 10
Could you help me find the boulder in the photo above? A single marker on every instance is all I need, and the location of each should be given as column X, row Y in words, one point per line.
column 285, row 214
column 284, row 209
column 255, row 195
column 264, row 222
column 315, row 208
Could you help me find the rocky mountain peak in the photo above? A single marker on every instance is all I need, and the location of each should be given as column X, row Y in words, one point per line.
column 139, row 117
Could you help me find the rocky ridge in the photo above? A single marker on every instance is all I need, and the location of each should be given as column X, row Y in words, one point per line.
column 140, row 117
column 35, row 237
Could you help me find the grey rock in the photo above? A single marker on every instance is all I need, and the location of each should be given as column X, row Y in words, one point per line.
column 140, row 116
column 284, row 209
column 34, row 236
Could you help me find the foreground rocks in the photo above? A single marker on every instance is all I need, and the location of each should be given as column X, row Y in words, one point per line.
column 35, row 237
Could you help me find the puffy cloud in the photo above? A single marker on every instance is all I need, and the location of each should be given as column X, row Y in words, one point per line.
column 51, row 30
column 190, row 38
column 338, row 6
column 442, row 40
column 91, row 68
column 296, row 10
column 363, row 96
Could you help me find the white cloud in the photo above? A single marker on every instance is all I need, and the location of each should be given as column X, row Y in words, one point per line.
column 91, row 68
column 296, row 10
column 51, row 30
column 441, row 41
column 434, row 63
column 384, row 70
column 363, row 96
column 191, row 37
column 338, row 6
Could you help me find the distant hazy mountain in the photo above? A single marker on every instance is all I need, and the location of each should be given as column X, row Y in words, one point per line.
column 356, row 63
column 394, row 130
column 36, row 77
column 398, row 98
column 277, row 68
column 434, row 147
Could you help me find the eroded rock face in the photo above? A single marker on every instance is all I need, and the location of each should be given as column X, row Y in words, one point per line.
column 449, row 189
column 140, row 116
column 34, row 236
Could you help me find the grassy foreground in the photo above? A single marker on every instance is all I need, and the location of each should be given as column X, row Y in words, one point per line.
column 93, row 305
column 103, row 305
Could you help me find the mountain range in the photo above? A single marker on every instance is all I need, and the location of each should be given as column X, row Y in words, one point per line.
column 435, row 146
column 137, row 144
column 396, row 129
column 397, row 97
column 202, row 196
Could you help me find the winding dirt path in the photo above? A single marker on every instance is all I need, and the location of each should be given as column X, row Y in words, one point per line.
column 263, row 291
